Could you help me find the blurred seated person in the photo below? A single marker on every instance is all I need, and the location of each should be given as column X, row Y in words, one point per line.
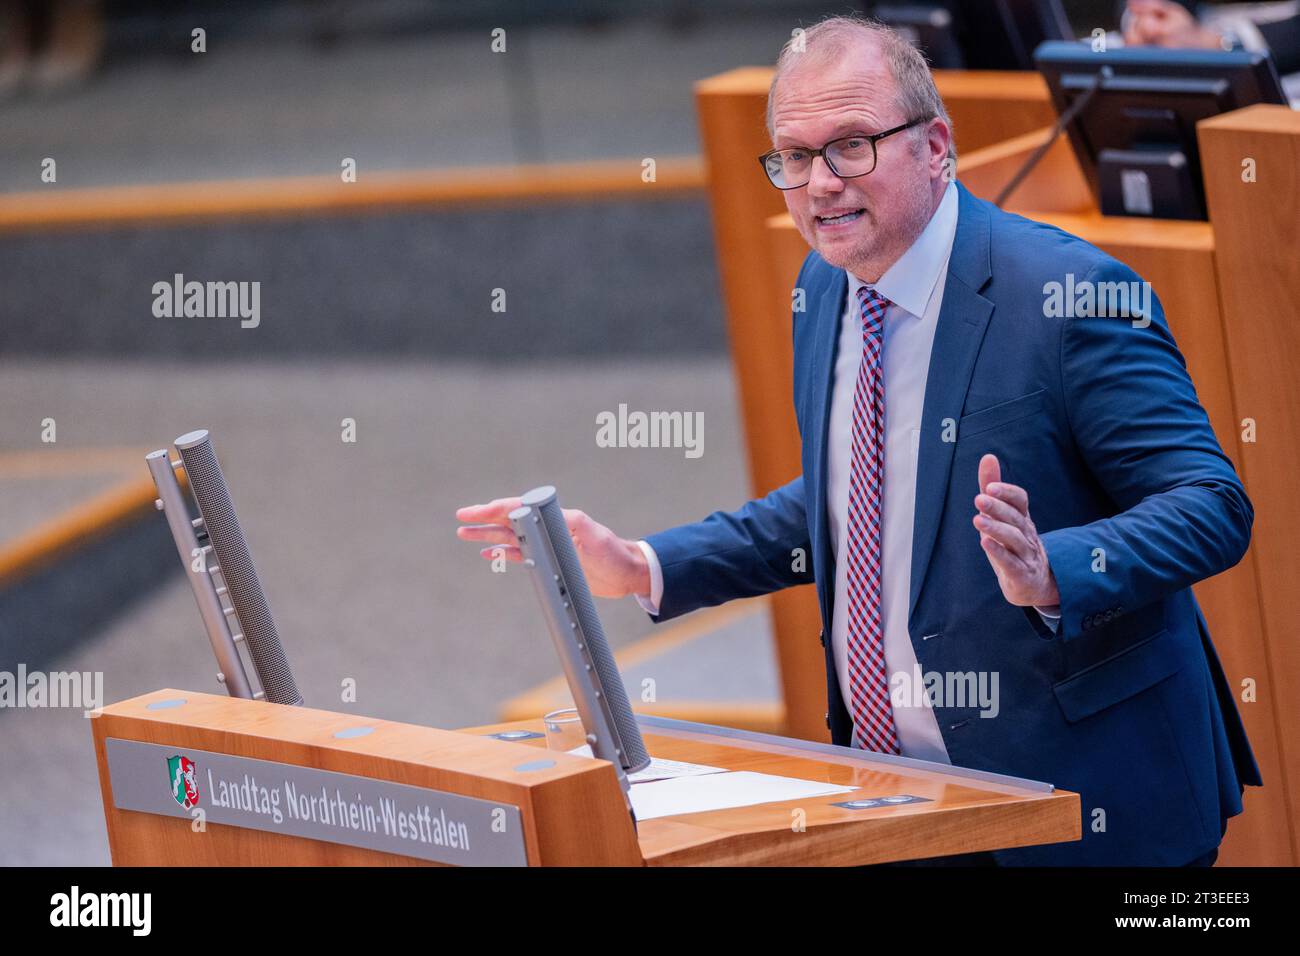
column 1172, row 23
column 46, row 45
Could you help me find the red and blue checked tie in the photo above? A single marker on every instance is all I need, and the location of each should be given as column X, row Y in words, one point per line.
column 873, row 716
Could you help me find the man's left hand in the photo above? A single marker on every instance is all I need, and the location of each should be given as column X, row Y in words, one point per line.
column 1011, row 542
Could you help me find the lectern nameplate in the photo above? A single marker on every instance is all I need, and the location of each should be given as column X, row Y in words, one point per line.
column 315, row 804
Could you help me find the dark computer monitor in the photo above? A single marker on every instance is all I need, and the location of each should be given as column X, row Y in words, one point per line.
column 983, row 35
column 1135, row 137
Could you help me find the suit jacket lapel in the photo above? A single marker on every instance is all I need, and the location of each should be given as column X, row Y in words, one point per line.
column 830, row 310
column 963, row 320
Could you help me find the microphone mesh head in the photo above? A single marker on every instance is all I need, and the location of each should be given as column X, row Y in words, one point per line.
column 575, row 581
column 212, row 495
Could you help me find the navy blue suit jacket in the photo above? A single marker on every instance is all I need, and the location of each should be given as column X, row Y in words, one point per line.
column 1127, row 704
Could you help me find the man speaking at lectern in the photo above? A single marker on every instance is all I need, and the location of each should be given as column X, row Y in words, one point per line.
column 994, row 483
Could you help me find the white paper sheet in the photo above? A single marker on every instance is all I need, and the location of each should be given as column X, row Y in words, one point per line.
column 719, row 791
column 659, row 769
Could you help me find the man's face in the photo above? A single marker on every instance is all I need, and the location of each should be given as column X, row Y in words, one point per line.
column 862, row 224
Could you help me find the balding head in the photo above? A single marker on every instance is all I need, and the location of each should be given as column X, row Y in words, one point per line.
column 838, row 37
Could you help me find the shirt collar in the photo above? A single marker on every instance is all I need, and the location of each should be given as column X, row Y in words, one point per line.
column 909, row 283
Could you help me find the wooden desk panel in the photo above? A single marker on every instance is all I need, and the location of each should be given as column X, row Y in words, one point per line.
column 991, row 106
column 1057, row 183
column 1256, row 224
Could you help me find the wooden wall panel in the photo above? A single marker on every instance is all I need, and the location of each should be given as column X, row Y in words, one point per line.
column 1256, row 223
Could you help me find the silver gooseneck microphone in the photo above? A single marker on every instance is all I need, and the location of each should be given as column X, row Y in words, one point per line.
column 246, row 619
column 588, row 664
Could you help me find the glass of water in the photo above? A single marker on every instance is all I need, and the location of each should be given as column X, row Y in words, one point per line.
column 564, row 730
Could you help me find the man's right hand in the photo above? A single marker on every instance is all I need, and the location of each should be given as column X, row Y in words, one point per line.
column 615, row 567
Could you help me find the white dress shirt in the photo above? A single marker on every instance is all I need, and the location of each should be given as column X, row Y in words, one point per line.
column 914, row 286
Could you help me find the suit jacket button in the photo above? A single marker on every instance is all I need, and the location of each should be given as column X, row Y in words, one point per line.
column 828, row 720
column 822, row 637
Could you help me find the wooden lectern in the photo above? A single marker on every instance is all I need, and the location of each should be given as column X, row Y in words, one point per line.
column 315, row 788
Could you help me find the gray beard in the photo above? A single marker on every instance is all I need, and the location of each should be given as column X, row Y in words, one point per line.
column 870, row 264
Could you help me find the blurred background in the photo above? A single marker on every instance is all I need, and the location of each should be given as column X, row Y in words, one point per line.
column 134, row 149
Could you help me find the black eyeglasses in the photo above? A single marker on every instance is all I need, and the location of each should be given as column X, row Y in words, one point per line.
column 847, row 157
